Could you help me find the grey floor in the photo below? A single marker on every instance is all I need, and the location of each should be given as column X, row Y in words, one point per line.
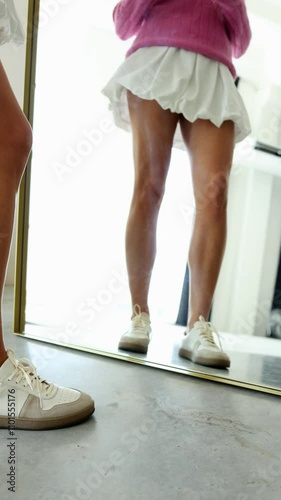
column 155, row 435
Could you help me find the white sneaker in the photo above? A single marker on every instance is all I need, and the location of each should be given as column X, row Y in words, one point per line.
column 137, row 337
column 35, row 403
column 199, row 346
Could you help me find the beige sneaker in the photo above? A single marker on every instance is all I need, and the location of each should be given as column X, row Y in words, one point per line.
column 137, row 338
column 199, row 346
column 29, row 402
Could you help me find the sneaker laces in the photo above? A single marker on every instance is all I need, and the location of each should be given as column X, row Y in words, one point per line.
column 207, row 330
column 25, row 369
column 139, row 322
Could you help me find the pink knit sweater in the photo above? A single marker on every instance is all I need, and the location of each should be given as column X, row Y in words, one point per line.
column 218, row 29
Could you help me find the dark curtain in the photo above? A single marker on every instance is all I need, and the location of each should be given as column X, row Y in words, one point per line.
column 274, row 322
column 183, row 307
column 276, row 304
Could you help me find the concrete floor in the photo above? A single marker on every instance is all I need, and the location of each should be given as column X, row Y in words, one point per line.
column 154, row 435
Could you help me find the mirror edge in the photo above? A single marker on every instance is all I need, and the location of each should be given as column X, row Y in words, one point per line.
column 22, row 219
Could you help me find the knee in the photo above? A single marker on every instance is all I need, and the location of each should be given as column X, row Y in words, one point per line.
column 22, row 140
column 214, row 195
column 150, row 192
column 17, row 146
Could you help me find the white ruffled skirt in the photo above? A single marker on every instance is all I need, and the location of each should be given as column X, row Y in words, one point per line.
column 182, row 81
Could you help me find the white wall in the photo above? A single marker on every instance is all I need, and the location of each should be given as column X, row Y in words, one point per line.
column 269, row 9
column 250, row 262
column 245, row 288
column 13, row 60
column 257, row 68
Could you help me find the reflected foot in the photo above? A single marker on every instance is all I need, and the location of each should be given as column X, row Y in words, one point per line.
column 138, row 336
column 200, row 347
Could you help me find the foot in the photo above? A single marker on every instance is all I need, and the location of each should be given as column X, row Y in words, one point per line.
column 137, row 338
column 199, row 346
column 39, row 405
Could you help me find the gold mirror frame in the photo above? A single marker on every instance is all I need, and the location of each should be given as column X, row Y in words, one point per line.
column 24, row 191
column 23, row 223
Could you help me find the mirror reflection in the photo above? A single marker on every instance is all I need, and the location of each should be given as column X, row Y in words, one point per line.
column 91, row 136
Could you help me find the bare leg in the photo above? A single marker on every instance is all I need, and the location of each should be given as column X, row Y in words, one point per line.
column 15, row 145
column 211, row 153
column 153, row 131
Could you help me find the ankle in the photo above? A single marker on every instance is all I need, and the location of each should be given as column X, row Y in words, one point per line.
column 3, row 357
column 194, row 318
column 190, row 325
column 137, row 309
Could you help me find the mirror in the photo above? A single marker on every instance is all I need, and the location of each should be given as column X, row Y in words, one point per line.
column 72, row 284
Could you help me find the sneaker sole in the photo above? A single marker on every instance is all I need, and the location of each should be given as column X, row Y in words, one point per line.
column 129, row 346
column 219, row 363
column 49, row 423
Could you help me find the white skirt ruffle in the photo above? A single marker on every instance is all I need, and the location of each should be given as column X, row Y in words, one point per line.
column 11, row 29
column 182, row 81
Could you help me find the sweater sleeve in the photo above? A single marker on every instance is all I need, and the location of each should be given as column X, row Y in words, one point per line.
column 235, row 18
column 128, row 16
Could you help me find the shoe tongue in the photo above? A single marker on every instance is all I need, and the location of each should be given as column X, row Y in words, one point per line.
column 142, row 317
column 201, row 321
column 6, row 369
column 198, row 324
column 145, row 316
